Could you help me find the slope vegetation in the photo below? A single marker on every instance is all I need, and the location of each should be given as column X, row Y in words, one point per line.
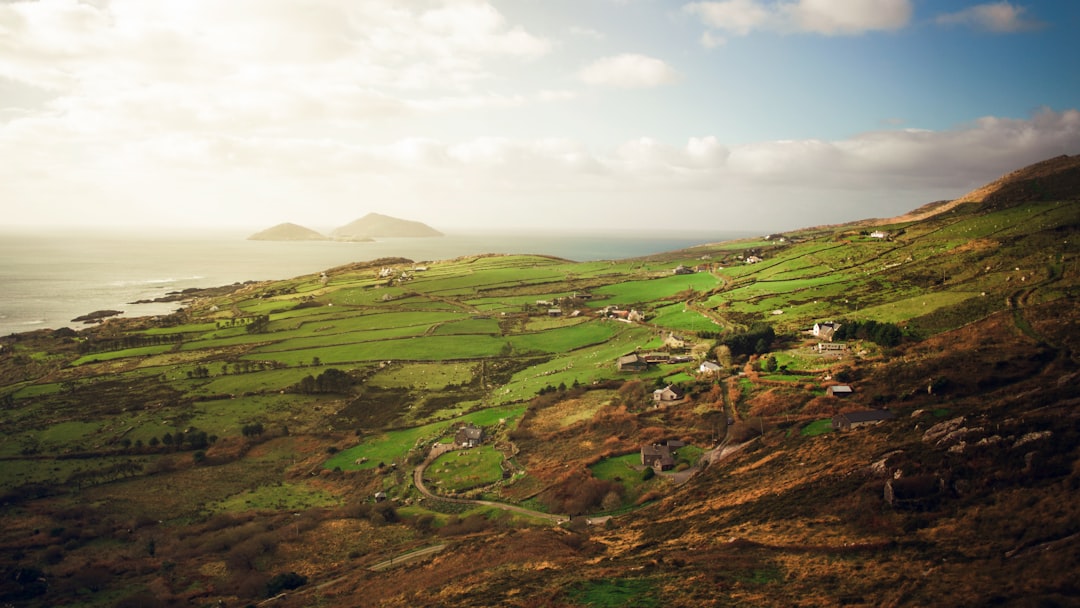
column 266, row 442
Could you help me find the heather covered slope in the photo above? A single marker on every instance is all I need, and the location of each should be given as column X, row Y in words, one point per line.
column 244, row 446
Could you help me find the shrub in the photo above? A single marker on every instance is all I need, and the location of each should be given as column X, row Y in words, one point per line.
column 284, row 582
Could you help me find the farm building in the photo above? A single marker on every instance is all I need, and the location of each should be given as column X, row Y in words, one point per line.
column 854, row 420
column 668, row 394
column 839, row 390
column 709, row 367
column 632, row 363
column 658, row 457
column 674, row 342
column 825, row 330
column 831, row 347
column 469, row 436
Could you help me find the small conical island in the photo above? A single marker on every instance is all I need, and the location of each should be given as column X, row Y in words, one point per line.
column 375, row 225
column 288, row 232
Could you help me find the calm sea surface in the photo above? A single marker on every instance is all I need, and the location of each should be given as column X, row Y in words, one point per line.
column 47, row 279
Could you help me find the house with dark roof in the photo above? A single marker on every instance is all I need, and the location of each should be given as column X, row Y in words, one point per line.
column 632, row 363
column 839, row 390
column 853, row 420
column 469, row 436
column 658, row 457
column 825, row 330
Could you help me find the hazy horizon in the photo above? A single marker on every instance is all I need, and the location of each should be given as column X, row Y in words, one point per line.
column 606, row 114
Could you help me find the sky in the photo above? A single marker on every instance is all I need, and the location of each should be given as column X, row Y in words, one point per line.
column 583, row 115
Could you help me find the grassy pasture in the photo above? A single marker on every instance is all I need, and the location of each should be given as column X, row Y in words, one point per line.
column 464, row 469
column 595, row 362
column 122, row 354
column 679, row 317
column 468, row 326
column 818, row 427
column 564, row 339
column 902, row 310
column 653, row 290
column 392, row 445
column 424, row 376
column 278, row 497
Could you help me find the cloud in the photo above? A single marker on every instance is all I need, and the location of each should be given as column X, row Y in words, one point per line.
column 998, row 17
column 825, row 17
column 628, row 70
column 587, row 32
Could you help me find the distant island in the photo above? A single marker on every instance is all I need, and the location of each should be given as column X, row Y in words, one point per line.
column 374, row 225
column 288, row 232
column 367, row 228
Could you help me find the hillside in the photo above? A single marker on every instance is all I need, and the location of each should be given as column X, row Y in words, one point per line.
column 287, row 232
column 374, row 225
column 1056, row 178
column 291, row 439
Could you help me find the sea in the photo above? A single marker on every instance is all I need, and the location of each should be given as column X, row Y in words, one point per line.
column 48, row 278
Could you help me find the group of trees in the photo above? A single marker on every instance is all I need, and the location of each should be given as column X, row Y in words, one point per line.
column 258, row 324
column 756, row 340
column 130, row 341
column 331, row 381
column 191, row 439
column 878, row 332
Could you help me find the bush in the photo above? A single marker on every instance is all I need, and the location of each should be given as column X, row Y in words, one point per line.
column 284, row 582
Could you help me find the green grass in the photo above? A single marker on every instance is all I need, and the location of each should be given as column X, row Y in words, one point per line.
column 680, row 318
column 616, row 593
column 634, row 292
column 817, row 427
column 280, row 497
column 392, row 445
column 465, row 469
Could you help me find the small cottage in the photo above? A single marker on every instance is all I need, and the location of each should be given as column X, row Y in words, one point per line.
column 839, row 390
column 658, row 457
column 469, row 436
column 709, row 367
column 852, row 420
column 632, row 363
column 668, row 394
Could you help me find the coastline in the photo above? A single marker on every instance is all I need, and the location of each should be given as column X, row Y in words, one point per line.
column 52, row 278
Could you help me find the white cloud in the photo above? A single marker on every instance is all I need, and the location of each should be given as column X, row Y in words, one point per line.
column 733, row 16
column 587, row 32
column 628, row 70
column 826, row 17
column 1000, row 17
column 847, row 17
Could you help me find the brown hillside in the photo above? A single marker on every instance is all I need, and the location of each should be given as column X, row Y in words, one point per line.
column 1056, row 178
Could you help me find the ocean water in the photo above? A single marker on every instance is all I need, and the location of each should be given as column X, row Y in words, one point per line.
column 49, row 278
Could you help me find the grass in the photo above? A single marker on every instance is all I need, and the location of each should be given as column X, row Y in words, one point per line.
column 616, row 593
column 817, row 427
column 393, row 445
column 279, row 497
column 465, row 469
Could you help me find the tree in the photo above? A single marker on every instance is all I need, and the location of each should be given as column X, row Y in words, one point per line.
column 333, row 381
column 252, row 430
column 770, row 364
